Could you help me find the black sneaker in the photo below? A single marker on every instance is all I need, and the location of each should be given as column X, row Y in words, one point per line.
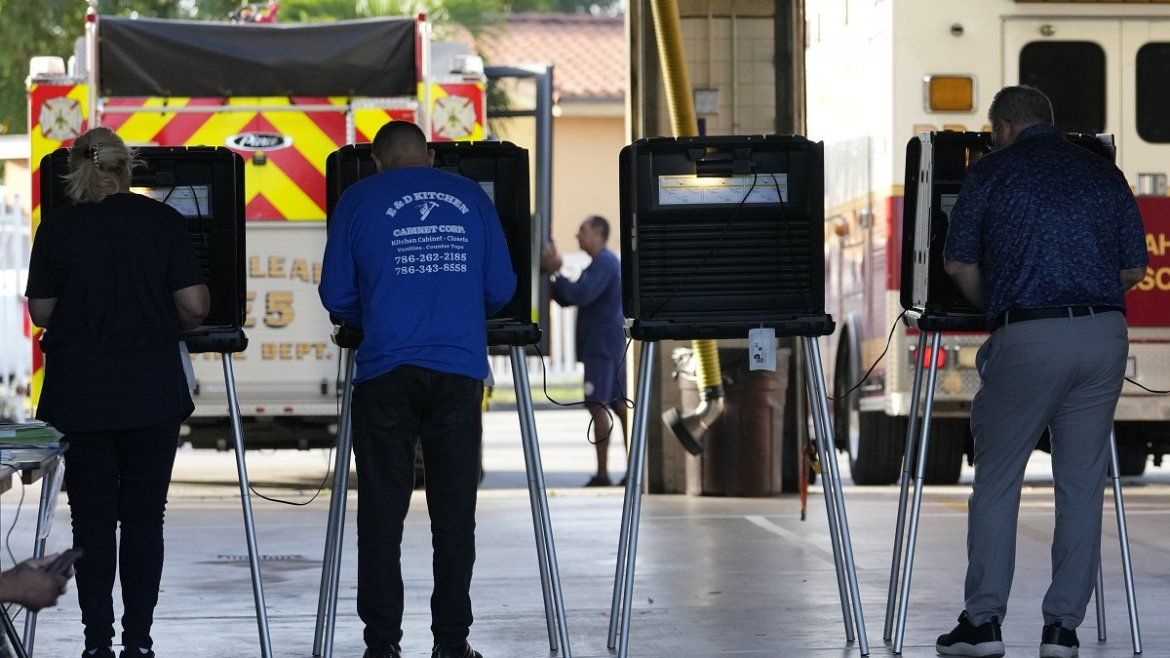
column 599, row 481
column 456, row 651
column 99, row 652
column 134, row 653
column 1058, row 642
column 983, row 641
column 393, row 651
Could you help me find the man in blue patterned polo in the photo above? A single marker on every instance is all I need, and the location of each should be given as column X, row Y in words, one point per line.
column 1046, row 237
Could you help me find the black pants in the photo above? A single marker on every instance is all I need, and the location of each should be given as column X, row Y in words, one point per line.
column 390, row 414
column 119, row 477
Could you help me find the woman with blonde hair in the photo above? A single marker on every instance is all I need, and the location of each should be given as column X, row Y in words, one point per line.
column 113, row 280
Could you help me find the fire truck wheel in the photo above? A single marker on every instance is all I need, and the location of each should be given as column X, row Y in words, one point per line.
column 876, row 457
column 944, row 458
column 1132, row 448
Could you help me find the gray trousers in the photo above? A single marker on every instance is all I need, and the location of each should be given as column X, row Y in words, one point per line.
column 1065, row 374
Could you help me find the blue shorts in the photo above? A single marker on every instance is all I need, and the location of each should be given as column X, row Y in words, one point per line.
column 605, row 381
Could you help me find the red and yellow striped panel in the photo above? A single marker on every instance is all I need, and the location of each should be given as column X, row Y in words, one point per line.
column 284, row 151
column 57, row 114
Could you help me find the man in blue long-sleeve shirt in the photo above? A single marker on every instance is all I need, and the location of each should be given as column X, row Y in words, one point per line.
column 597, row 294
column 416, row 257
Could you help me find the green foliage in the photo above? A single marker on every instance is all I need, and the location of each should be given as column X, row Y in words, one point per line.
column 50, row 27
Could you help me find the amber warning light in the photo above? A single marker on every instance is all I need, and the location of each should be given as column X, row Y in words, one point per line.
column 949, row 93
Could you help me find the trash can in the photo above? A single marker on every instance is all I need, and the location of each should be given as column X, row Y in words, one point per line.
column 742, row 451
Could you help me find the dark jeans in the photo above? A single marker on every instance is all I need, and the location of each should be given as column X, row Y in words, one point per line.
column 390, row 414
column 119, row 477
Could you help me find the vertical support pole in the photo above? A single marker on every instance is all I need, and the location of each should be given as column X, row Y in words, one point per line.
column 817, row 401
column 554, row 601
column 907, row 460
column 623, row 586
column 335, row 529
column 829, row 457
column 1098, row 597
column 919, row 476
column 544, row 150
column 1135, row 631
column 246, row 502
column 50, row 487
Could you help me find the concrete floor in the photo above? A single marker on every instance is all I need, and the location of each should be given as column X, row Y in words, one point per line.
column 716, row 577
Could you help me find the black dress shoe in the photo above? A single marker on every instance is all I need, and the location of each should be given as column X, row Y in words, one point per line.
column 134, row 653
column 390, row 652
column 457, row 651
column 102, row 652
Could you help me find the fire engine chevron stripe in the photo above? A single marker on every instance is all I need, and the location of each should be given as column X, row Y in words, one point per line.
column 286, row 178
column 218, row 127
column 181, row 128
column 308, row 137
column 368, row 122
column 282, row 192
column 260, row 100
column 114, row 120
column 141, row 127
column 260, row 206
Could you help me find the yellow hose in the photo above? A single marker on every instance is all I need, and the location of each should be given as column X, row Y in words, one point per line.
column 672, row 60
column 707, row 363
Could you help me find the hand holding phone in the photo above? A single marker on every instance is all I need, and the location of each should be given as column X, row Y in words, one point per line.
column 64, row 562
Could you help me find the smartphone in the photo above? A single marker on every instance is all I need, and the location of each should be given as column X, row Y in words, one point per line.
column 64, row 562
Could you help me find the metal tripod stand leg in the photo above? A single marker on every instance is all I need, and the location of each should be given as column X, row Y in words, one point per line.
column 1098, row 594
column 10, row 632
column 903, row 494
column 919, row 476
column 1135, row 630
column 623, row 585
column 550, row 576
column 830, row 473
column 335, row 529
column 817, row 400
column 50, row 488
column 615, row 607
column 246, row 500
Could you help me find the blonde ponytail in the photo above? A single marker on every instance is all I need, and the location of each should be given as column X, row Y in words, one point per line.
column 99, row 161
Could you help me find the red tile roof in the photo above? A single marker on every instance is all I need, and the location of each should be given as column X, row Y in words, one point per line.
column 588, row 52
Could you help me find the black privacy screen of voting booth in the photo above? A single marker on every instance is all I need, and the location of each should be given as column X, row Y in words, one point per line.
column 721, row 235
column 206, row 186
column 936, row 166
column 501, row 169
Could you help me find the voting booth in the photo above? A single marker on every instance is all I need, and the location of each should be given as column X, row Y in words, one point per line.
column 721, row 236
column 501, row 170
column 206, row 186
column 937, row 164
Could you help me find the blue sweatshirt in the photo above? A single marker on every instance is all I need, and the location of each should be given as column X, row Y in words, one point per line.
column 597, row 294
column 416, row 257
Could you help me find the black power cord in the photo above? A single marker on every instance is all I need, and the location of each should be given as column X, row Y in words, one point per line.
column 328, row 464
column 623, row 400
column 889, row 341
column 1144, row 388
column 11, row 528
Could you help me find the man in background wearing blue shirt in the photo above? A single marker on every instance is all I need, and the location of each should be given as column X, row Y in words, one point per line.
column 1047, row 238
column 416, row 257
column 601, row 341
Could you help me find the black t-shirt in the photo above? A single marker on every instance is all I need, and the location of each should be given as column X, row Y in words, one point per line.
column 112, row 347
